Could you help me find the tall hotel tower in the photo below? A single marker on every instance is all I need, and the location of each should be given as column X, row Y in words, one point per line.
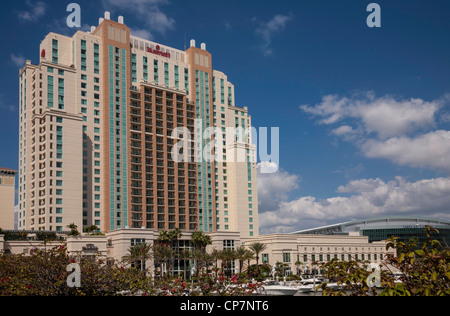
column 97, row 119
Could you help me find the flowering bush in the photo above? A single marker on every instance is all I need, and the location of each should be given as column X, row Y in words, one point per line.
column 44, row 273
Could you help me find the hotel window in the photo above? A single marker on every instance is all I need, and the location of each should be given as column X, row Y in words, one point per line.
column 286, row 257
column 137, row 241
column 228, row 244
column 265, row 258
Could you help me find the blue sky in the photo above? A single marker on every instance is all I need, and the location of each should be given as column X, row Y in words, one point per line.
column 363, row 112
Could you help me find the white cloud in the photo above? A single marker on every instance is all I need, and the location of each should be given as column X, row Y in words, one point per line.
column 148, row 12
column 402, row 131
column 145, row 34
column 268, row 30
column 431, row 150
column 385, row 116
column 274, row 187
column 36, row 10
column 372, row 198
column 343, row 130
column 18, row 60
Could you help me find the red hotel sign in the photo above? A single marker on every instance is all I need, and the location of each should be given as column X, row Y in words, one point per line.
column 157, row 51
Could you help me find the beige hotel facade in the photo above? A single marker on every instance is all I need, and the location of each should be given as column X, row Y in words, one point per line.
column 98, row 115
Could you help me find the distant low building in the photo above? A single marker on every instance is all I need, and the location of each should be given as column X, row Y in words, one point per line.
column 7, row 197
column 303, row 254
column 383, row 228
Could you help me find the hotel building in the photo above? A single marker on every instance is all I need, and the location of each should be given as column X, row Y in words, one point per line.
column 100, row 119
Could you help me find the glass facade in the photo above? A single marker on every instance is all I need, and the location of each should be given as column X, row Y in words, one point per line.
column 204, row 151
column 118, row 138
column 405, row 234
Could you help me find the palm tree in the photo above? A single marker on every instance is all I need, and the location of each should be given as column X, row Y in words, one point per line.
column 175, row 235
column 241, row 255
column 164, row 254
column 209, row 260
column 197, row 255
column 73, row 230
column 215, row 254
column 201, row 240
column 228, row 256
column 163, row 237
column 249, row 255
column 92, row 229
column 185, row 255
column 257, row 248
column 138, row 255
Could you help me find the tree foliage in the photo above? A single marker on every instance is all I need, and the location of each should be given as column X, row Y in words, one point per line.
column 44, row 273
column 414, row 271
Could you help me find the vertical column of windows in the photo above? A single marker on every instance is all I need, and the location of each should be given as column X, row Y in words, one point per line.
column 156, row 71
column 214, row 89
column 61, row 93
column 113, row 77
column 83, row 56
column 209, row 152
column 124, row 140
column 50, row 91
column 177, row 77
column 145, row 68
column 96, row 59
column 133, row 68
column 205, row 172
column 166, row 74
column 59, row 158
column 59, row 173
column 222, row 91
column 55, row 51
column 186, row 80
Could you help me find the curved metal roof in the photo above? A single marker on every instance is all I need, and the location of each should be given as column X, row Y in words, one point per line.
column 378, row 223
